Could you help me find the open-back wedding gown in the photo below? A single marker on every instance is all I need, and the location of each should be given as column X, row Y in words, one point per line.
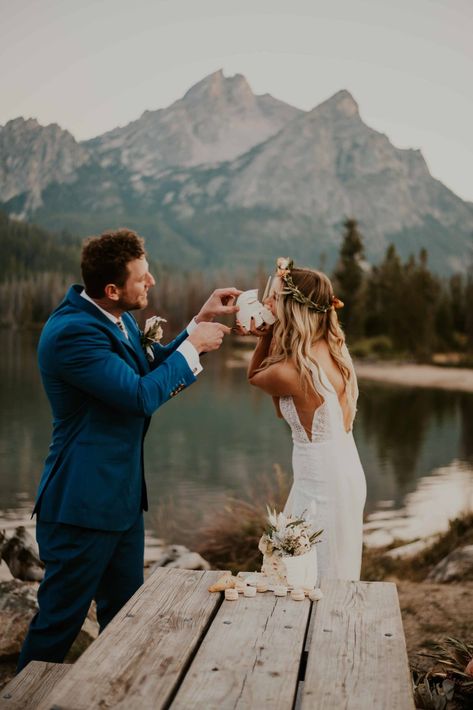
column 329, row 483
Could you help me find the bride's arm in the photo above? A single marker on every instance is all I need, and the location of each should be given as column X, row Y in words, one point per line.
column 278, row 380
column 260, row 353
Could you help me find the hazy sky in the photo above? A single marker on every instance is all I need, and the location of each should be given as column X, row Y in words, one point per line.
column 90, row 65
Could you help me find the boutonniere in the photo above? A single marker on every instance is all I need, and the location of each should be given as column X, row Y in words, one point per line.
column 152, row 333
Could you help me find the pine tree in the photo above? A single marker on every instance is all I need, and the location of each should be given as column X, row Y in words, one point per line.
column 349, row 280
column 457, row 294
column 469, row 312
column 385, row 311
column 421, row 300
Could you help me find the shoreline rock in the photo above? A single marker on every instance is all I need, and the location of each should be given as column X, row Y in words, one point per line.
column 17, row 608
column 457, row 566
column 20, row 553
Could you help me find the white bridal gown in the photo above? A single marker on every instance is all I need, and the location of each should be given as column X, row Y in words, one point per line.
column 329, row 483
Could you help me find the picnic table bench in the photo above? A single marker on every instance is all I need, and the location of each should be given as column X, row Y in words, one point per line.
column 175, row 645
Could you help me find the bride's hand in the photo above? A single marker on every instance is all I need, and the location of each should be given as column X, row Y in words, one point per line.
column 262, row 331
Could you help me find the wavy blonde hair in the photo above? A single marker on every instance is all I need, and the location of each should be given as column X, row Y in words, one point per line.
column 298, row 328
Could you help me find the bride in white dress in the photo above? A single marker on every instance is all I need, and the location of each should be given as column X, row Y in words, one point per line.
column 303, row 362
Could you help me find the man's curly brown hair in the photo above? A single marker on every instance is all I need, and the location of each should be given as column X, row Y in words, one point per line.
column 104, row 259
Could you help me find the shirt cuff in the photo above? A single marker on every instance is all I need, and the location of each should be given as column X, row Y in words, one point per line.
column 191, row 355
column 192, row 326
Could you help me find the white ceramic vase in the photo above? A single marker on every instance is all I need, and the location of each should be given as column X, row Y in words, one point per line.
column 299, row 571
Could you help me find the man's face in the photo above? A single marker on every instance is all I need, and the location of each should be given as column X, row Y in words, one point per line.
column 134, row 293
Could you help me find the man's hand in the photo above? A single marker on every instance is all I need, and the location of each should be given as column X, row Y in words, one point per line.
column 221, row 302
column 208, row 336
column 264, row 330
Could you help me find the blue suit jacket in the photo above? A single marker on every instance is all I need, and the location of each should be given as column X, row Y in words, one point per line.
column 102, row 392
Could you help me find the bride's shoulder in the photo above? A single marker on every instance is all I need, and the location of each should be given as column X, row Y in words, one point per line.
column 284, row 370
column 279, row 379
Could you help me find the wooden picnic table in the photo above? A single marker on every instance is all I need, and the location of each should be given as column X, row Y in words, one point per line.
column 175, row 645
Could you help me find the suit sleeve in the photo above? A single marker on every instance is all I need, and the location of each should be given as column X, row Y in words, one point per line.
column 84, row 358
column 162, row 352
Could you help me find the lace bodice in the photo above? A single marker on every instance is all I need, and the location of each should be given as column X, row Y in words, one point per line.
column 321, row 430
column 328, row 417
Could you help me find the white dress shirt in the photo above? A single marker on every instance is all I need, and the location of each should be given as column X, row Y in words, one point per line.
column 186, row 348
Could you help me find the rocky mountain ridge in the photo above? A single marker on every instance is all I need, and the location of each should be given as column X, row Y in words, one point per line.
column 223, row 172
column 217, row 119
column 33, row 156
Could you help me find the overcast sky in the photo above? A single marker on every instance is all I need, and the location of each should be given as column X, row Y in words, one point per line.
column 91, row 65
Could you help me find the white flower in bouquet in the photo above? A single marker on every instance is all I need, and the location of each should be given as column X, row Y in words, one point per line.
column 288, row 535
column 152, row 333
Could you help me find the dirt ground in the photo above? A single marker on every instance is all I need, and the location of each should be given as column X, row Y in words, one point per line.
column 431, row 613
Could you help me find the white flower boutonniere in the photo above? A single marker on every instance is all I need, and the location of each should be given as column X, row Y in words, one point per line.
column 152, row 333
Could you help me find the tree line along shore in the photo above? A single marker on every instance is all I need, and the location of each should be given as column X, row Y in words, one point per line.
column 393, row 309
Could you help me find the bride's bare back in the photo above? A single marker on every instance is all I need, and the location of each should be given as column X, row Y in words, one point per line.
column 282, row 380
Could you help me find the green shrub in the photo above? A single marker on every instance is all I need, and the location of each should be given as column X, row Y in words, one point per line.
column 379, row 346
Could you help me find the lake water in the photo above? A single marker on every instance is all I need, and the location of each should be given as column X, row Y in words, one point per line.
column 220, row 437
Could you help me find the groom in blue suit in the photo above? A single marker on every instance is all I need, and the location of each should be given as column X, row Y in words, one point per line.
column 103, row 390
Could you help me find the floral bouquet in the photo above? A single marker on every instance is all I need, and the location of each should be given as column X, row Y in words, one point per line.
column 288, row 547
column 152, row 333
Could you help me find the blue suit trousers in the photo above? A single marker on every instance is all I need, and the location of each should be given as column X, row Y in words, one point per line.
column 81, row 565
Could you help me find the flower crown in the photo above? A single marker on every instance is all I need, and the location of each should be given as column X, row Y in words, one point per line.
column 284, row 267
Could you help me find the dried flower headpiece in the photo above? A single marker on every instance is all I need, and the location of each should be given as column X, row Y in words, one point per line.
column 284, row 268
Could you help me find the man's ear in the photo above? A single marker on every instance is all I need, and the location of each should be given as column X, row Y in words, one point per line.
column 112, row 292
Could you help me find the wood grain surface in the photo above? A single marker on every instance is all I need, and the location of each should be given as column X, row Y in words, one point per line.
column 139, row 658
column 250, row 657
column 357, row 655
column 32, row 685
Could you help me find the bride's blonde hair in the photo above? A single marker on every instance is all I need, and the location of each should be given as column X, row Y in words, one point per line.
column 299, row 326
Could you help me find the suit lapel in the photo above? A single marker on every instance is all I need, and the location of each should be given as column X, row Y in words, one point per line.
column 132, row 344
column 134, row 333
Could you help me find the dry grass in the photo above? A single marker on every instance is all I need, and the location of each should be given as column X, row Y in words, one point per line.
column 228, row 536
column 230, row 539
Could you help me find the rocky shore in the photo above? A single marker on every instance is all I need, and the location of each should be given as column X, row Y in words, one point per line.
column 413, row 375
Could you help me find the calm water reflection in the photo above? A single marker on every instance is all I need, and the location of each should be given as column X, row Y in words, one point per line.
column 221, row 436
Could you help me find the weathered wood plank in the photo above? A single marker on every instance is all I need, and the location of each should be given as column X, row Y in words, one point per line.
column 138, row 660
column 250, row 657
column 357, row 655
column 32, row 685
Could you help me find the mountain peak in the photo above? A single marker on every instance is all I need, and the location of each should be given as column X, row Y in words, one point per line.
column 216, row 85
column 21, row 125
column 20, row 122
column 341, row 103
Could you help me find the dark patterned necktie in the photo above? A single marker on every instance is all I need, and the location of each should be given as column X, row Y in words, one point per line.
column 121, row 325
